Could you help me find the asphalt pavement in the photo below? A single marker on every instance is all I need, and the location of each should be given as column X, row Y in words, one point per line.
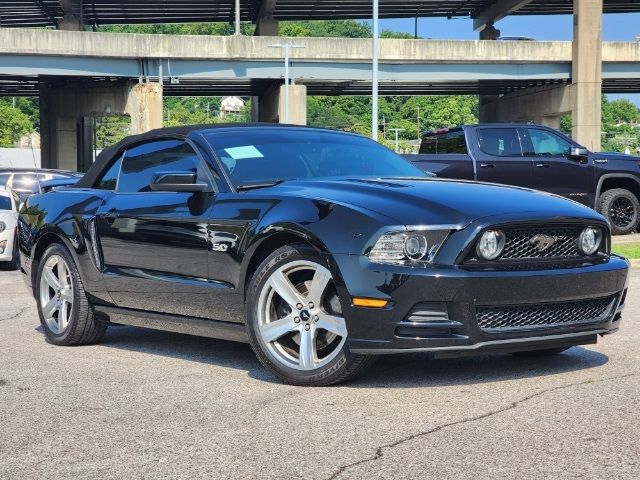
column 151, row 405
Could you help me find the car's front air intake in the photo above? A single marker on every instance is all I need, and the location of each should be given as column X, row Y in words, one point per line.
column 544, row 315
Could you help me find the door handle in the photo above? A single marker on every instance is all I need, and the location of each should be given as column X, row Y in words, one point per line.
column 542, row 165
column 487, row 165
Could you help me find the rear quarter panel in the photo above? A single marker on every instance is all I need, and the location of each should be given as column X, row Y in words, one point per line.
column 62, row 216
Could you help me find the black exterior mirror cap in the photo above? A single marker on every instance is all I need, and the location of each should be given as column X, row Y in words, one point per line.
column 177, row 182
column 578, row 152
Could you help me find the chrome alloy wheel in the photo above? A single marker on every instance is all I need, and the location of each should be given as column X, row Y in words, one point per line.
column 56, row 294
column 299, row 316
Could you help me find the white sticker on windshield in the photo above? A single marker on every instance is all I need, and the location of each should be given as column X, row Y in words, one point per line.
column 248, row 151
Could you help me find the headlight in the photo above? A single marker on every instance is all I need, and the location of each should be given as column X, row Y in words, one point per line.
column 491, row 244
column 408, row 247
column 590, row 240
column 3, row 227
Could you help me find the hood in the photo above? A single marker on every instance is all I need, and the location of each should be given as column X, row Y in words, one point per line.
column 437, row 201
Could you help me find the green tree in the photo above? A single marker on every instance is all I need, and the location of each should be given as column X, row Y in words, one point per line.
column 14, row 123
column 325, row 28
column 112, row 129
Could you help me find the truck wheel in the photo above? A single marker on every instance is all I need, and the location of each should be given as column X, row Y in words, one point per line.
column 622, row 209
column 65, row 313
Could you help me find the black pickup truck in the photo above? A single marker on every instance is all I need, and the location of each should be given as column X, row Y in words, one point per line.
column 541, row 158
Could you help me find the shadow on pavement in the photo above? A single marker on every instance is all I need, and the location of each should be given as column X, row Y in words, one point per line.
column 403, row 370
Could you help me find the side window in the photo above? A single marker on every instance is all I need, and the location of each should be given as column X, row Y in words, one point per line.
column 500, row 142
column 109, row 181
column 453, row 142
column 142, row 163
column 429, row 145
column 4, row 178
column 547, row 144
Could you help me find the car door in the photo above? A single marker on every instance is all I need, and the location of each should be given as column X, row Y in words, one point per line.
column 555, row 170
column 155, row 244
column 500, row 159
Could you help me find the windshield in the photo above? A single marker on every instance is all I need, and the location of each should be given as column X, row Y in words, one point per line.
column 263, row 155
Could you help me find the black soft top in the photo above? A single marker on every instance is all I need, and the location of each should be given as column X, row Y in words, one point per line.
column 103, row 160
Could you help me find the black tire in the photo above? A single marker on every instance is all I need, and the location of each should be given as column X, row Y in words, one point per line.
column 540, row 353
column 343, row 367
column 622, row 209
column 83, row 327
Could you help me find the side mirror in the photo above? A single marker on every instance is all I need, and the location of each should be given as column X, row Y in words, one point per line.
column 579, row 153
column 177, row 182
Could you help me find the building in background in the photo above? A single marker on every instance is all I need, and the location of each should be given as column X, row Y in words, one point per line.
column 231, row 106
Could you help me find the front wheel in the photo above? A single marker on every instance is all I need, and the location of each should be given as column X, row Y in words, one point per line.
column 622, row 209
column 295, row 322
column 65, row 313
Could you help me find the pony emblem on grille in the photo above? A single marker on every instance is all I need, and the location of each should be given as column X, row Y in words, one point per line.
column 543, row 242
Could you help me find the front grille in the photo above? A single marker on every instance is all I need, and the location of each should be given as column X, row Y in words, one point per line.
column 520, row 244
column 544, row 315
column 538, row 246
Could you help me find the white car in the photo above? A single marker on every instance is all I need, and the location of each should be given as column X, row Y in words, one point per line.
column 9, row 203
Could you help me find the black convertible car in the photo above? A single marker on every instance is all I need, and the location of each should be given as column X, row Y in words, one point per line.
column 320, row 248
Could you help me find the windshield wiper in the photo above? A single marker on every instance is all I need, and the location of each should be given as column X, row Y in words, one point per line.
column 249, row 186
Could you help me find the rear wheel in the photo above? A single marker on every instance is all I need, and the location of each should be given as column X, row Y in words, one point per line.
column 540, row 353
column 622, row 209
column 65, row 313
column 295, row 322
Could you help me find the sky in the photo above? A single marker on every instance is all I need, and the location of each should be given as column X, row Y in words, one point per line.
column 615, row 27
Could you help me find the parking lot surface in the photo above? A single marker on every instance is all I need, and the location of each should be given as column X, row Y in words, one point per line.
column 146, row 404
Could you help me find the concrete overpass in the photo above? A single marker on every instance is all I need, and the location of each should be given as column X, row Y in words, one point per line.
column 81, row 74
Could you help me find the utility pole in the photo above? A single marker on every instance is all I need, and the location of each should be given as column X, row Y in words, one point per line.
column 237, row 22
column 374, row 73
column 397, row 130
column 286, row 47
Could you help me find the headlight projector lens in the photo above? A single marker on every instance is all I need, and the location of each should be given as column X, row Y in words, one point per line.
column 415, row 247
column 491, row 244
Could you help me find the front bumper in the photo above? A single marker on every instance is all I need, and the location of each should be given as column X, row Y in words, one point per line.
column 460, row 292
column 7, row 239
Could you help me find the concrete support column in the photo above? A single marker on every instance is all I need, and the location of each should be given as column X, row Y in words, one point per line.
column 266, row 24
column 66, row 114
column 267, row 27
column 297, row 104
column 72, row 15
column 271, row 105
column 486, row 103
column 587, row 73
column 144, row 106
